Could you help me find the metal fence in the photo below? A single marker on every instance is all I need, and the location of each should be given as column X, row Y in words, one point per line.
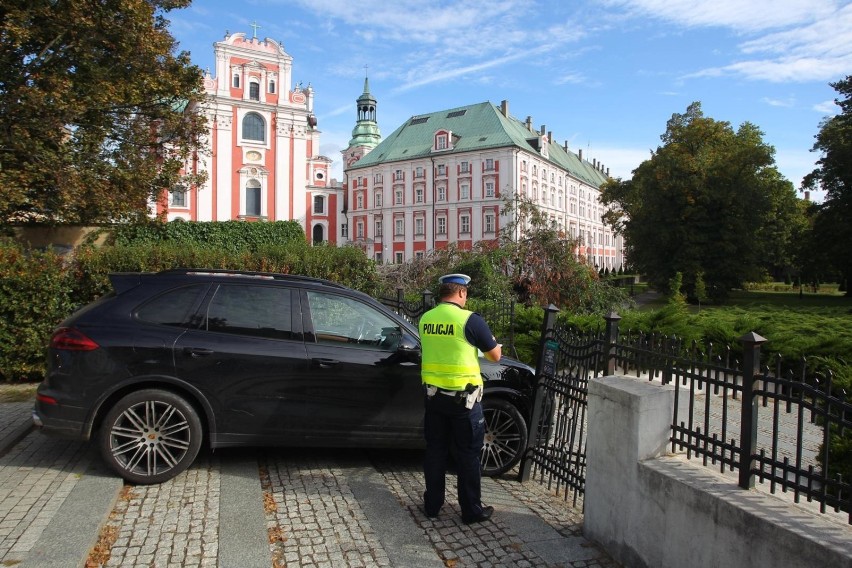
column 765, row 423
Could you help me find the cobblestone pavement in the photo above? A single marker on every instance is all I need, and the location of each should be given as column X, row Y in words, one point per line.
column 269, row 508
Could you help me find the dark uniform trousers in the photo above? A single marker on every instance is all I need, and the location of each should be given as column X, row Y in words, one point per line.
column 450, row 428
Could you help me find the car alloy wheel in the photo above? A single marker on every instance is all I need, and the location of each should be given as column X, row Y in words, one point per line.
column 505, row 437
column 150, row 436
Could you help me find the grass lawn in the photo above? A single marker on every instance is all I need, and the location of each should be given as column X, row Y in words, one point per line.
column 817, row 326
column 18, row 392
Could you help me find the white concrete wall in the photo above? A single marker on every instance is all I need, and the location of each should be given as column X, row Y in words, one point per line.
column 650, row 509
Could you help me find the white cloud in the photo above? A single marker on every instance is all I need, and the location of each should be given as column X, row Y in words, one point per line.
column 788, row 103
column 753, row 15
column 826, row 108
column 814, row 48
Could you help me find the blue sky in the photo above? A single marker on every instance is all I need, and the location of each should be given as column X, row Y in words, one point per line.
column 603, row 75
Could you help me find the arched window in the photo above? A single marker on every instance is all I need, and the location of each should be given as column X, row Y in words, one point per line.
column 254, row 91
column 236, row 81
column 272, row 85
column 318, row 234
column 254, row 128
column 253, row 198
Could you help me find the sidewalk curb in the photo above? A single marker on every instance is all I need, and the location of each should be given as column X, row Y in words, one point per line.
column 74, row 530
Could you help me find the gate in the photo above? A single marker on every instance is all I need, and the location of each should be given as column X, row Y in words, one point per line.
column 556, row 451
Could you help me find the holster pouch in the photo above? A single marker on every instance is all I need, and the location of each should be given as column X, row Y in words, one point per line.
column 473, row 397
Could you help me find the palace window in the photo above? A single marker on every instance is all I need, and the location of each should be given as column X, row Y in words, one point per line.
column 442, row 226
column 489, row 222
column 464, row 224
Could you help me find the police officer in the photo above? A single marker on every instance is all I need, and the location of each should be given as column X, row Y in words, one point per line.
column 451, row 338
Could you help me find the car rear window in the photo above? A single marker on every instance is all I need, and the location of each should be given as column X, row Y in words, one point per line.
column 173, row 307
column 259, row 311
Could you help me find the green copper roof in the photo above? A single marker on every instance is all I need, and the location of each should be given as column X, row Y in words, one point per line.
column 475, row 127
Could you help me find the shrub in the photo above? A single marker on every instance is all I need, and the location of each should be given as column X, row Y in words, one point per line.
column 35, row 296
column 233, row 236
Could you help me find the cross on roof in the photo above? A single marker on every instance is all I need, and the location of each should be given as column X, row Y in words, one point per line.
column 255, row 26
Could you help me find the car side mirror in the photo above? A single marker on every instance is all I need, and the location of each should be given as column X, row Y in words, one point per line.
column 409, row 348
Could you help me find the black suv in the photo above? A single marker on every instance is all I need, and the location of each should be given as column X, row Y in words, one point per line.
column 171, row 360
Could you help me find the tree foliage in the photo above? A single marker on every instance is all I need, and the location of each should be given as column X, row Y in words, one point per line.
column 832, row 229
column 95, row 109
column 709, row 201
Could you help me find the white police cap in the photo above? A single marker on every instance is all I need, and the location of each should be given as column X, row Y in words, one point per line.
column 462, row 279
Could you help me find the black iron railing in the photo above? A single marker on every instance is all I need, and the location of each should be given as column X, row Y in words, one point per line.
column 766, row 424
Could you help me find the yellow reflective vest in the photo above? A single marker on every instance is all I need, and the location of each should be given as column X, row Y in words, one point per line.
column 449, row 361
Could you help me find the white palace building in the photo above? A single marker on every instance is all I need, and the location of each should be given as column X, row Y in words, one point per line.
column 441, row 178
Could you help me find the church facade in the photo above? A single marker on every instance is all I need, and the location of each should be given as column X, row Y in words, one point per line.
column 262, row 155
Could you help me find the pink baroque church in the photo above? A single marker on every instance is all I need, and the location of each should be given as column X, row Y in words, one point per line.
column 262, row 158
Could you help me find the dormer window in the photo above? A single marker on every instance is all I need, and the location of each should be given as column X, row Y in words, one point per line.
column 442, row 140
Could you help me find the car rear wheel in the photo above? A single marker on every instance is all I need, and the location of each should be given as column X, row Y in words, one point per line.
column 505, row 437
column 150, row 436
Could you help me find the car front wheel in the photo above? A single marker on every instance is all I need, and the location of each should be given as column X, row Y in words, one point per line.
column 150, row 436
column 505, row 437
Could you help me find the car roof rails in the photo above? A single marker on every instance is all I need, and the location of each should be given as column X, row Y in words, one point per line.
column 249, row 274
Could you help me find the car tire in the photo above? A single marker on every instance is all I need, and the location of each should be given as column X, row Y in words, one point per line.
column 150, row 436
column 505, row 437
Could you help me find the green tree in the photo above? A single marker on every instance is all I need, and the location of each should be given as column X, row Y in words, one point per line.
column 705, row 202
column 543, row 267
column 832, row 229
column 96, row 109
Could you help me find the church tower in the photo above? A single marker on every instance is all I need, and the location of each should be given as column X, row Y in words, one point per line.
column 365, row 135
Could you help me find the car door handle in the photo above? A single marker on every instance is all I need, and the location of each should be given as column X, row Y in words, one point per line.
column 197, row 351
column 325, row 363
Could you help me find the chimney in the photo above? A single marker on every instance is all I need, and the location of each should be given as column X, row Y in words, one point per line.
column 529, row 123
column 807, row 196
column 595, row 163
column 565, row 146
column 543, row 130
column 607, row 172
column 504, row 108
column 550, row 136
column 580, row 154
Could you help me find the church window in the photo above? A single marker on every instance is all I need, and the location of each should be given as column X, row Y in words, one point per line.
column 254, row 128
column 253, row 198
column 254, row 91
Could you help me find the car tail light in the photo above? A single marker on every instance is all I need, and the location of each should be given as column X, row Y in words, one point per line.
column 71, row 339
column 44, row 399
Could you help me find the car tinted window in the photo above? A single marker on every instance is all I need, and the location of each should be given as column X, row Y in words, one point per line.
column 172, row 307
column 342, row 320
column 259, row 311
